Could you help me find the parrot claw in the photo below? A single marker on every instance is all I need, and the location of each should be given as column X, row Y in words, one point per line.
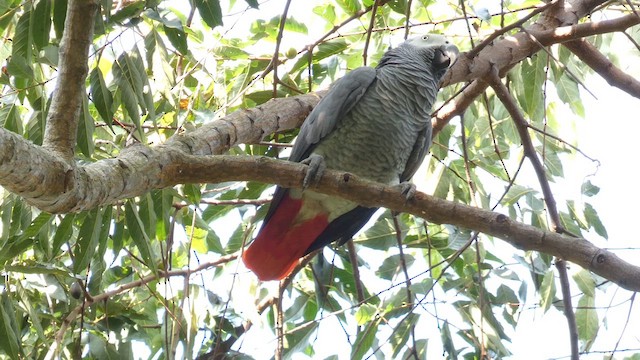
column 314, row 172
column 408, row 189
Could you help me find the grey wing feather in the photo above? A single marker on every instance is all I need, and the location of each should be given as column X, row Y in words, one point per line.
column 419, row 151
column 340, row 99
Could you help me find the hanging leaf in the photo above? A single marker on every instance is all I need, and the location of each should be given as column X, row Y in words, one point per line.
column 210, row 12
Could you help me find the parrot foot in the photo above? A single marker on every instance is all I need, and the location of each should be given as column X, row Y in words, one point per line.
column 314, row 172
column 408, row 189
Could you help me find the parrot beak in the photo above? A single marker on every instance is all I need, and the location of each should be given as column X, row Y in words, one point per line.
column 446, row 55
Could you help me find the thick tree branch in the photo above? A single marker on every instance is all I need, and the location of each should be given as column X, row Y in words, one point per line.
column 603, row 66
column 62, row 121
column 579, row 251
column 51, row 185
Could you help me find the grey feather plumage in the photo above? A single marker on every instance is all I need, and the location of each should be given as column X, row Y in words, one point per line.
column 374, row 123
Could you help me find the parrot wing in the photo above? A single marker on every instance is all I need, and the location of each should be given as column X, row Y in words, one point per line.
column 419, row 151
column 327, row 115
column 341, row 98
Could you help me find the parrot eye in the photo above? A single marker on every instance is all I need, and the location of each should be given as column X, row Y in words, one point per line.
column 425, row 37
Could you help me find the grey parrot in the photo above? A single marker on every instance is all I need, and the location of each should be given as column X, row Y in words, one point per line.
column 374, row 123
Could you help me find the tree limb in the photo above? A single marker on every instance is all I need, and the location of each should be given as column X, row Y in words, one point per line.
column 62, row 121
column 614, row 76
column 368, row 193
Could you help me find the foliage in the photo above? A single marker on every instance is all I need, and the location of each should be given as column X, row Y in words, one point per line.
column 161, row 67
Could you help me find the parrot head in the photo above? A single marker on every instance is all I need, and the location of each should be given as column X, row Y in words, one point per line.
column 445, row 52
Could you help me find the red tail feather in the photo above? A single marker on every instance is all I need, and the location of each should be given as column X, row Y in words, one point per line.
column 281, row 242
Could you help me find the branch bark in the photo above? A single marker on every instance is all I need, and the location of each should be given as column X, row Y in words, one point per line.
column 591, row 56
column 368, row 193
column 62, row 121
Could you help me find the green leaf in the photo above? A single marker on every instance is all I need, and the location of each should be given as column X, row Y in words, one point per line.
column 41, row 23
column 19, row 67
column 365, row 313
column 101, row 96
column 587, row 321
column 176, row 35
column 589, row 189
column 399, row 6
column 9, row 329
column 533, row 77
column 59, row 16
column 323, row 51
column 349, row 6
column 127, row 86
column 402, row 332
column 22, row 40
column 515, row 193
column 593, row 220
column 8, row 9
column 138, row 235
column 252, row 3
column 547, row 291
column 585, row 281
column 37, row 224
column 86, row 129
column 364, row 340
column 210, row 12
column 63, row 233
column 88, row 240
column 131, row 10
column 392, row 265
column 230, row 52
column 447, row 341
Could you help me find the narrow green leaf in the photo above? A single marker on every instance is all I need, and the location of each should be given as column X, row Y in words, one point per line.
column 364, row 340
column 533, row 76
column 8, row 117
column 139, row 236
column 210, row 12
column 8, row 9
column 101, row 96
column 587, row 321
column 122, row 77
column 88, row 239
column 447, row 342
column 323, row 51
column 401, row 333
column 547, row 290
column 59, row 16
column 86, row 127
column 36, row 225
column 35, row 268
column 63, row 233
column 41, row 23
column 22, row 40
column 131, row 10
column 9, row 330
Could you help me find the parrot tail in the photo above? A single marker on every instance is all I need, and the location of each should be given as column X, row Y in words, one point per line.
column 281, row 242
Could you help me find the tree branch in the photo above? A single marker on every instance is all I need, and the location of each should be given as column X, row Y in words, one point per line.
column 591, row 56
column 62, row 121
column 367, row 193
